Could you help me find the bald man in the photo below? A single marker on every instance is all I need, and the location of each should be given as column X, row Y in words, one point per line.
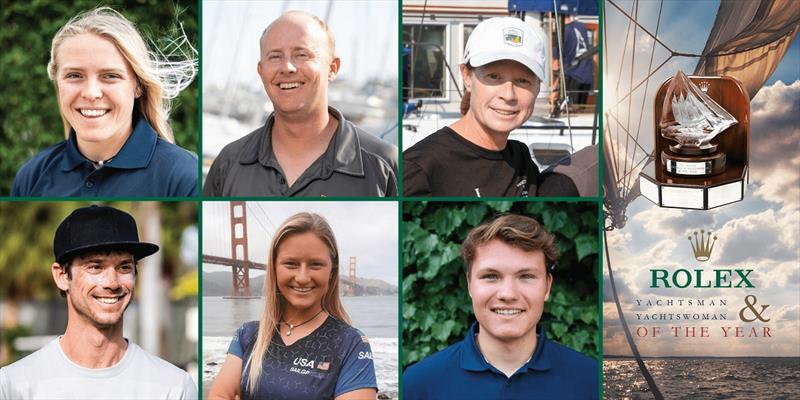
column 306, row 148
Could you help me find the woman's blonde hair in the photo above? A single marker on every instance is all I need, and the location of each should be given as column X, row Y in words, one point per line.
column 160, row 74
column 273, row 302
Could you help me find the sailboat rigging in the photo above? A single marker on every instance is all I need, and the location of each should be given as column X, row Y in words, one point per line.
column 747, row 41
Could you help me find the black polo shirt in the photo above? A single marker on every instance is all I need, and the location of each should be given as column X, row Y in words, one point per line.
column 354, row 164
column 446, row 164
column 146, row 166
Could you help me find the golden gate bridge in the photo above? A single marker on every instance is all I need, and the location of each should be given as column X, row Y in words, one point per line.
column 241, row 264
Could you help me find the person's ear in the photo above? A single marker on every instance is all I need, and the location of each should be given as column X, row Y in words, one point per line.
column 333, row 69
column 549, row 286
column 138, row 92
column 60, row 276
column 466, row 75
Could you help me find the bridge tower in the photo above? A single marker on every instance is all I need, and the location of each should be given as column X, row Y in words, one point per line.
column 352, row 271
column 241, row 263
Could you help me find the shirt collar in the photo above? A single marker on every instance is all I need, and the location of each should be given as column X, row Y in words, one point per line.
column 472, row 359
column 135, row 153
column 342, row 155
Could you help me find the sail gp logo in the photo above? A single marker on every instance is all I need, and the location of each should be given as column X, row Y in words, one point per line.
column 305, row 366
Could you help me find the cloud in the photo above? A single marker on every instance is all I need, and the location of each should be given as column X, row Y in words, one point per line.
column 618, row 240
column 777, row 276
column 623, row 291
column 787, row 313
column 662, row 250
column 774, row 143
column 671, row 221
column 756, row 238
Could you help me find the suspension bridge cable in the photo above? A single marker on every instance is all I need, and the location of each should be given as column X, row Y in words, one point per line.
column 256, row 216
column 266, row 215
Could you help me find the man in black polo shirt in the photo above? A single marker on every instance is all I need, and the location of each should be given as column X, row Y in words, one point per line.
column 306, row 148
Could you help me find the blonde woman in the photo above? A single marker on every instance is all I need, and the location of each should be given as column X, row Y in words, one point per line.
column 114, row 95
column 303, row 347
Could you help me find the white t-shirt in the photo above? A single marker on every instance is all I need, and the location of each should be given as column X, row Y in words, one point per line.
column 49, row 374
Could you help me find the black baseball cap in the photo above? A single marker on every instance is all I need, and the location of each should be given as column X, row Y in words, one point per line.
column 99, row 228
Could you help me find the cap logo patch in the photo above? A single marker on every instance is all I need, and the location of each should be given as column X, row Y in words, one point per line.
column 512, row 36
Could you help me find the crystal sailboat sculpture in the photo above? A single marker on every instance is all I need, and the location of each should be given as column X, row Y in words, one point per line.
column 689, row 116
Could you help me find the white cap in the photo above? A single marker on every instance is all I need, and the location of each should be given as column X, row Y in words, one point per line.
column 507, row 38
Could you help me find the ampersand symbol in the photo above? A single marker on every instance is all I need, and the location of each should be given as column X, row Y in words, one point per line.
column 750, row 301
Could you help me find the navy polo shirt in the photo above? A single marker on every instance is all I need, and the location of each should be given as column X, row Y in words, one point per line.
column 146, row 166
column 461, row 372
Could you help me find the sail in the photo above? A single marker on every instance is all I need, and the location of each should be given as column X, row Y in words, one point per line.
column 749, row 39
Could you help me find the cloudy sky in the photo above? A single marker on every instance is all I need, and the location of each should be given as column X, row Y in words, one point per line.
column 365, row 32
column 364, row 229
column 759, row 233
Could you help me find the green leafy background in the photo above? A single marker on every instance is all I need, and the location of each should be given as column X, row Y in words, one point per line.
column 29, row 118
column 437, row 310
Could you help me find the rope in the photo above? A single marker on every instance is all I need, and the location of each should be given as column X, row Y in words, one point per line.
column 627, row 177
column 561, row 74
column 651, row 383
column 646, row 87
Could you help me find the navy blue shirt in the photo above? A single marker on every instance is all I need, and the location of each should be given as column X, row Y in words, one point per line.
column 576, row 42
column 334, row 359
column 146, row 166
column 461, row 372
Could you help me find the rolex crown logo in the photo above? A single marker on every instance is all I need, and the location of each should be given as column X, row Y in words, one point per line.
column 702, row 246
column 704, row 86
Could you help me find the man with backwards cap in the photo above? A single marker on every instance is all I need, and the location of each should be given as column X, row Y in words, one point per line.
column 503, row 70
column 506, row 353
column 96, row 250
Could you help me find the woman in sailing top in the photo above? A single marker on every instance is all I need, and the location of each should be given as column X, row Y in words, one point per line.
column 303, row 347
column 113, row 94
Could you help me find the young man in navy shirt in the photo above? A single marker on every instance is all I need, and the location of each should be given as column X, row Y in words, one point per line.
column 506, row 355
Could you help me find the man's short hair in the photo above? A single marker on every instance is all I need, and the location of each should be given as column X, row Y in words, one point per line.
column 518, row 231
column 66, row 266
column 322, row 24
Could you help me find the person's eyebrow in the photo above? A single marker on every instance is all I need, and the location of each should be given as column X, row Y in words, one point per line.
column 530, row 270
column 100, row 259
column 306, row 48
column 102, row 70
column 128, row 260
column 114, row 70
column 522, row 270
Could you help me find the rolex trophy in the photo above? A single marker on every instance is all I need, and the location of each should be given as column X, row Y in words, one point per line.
column 691, row 119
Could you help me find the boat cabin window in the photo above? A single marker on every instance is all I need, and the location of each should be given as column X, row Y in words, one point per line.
column 427, row 75
column 546, row 154
column 467, row 31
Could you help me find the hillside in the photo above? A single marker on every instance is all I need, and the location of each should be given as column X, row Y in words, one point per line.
column 219, row 284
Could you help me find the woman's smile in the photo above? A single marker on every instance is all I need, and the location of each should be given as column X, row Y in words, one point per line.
column 303, row 271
